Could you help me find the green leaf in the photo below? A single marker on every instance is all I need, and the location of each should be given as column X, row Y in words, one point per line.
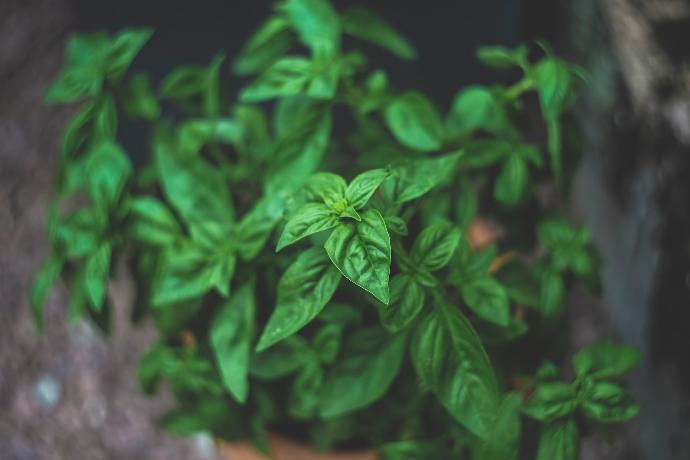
column 411, row 450
column 303, row 401
column 195, row 189
column 363, row 186
column 327, row 187
column 407, row 300
column 466, row 203
column 605, row 360
column 303, row 291
column 452, row 362
column 265, row 46
column 415, row 122
column 188, row 271
column 151, row 222
column 140, row 101
column 488, row 299
column 288, row 76
column 362, row 253
column 485, row 152
column 194, row 134
column 326, row 342
column 230, row 337
column 107, row 169
column 367, row 25
column 256, row 226
column 43, row 283
column 512, row 181
column 559, row 440
column 550, row 401
column 556, row 82
column 309, row 219
column 279, row 360
column 504, row 442
column 96, row 273
column 75, row 84
column 153, row 365
column 435, row 245
column 396, row 225
column 123, row 49
column 415, row 178
column 368, row 365
column 476, row 107
column 316, row 23
column 551, row 292
column 501, row 57
column 608, row 402
column 301, row 145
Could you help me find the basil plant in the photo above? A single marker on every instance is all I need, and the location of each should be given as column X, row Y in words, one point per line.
column 311, row 251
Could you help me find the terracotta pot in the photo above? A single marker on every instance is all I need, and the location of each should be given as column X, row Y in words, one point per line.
column 286, row 449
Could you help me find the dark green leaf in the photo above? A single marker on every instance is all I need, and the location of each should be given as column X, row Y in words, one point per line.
column 512, row 181
column 551, row 401
column 279, row 360
column 96, row 273
column 362, row 252
column 434, row 247
column 407, row 300
column 303, row 291
column 488, row 299
column 504, row 442
column 43, row 283
column 414, row 178
column 451, row 360
column 559, row 440
column 369, row 363
column 230, row 337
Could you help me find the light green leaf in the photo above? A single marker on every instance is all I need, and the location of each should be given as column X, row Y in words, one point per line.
column 367, row 25
column 476, row 107
column 140, row 101
column 327, row 187
column 75, row 84
column 309, row 219
column 123, row 49
column 559, row 440
column 96, row 273
column 264, row 47
column 288, row 76
column 608, row 402
column 501, row 57
column 435, row 245
column 316, row 23
column 230, row 337
column 362, row 252
column 415, row 122
column 605, row 360
column 452, row 362
column 368, row 365
column 550, row 401
column 512, row 181
column 151, row 222
column 303, row 291
column 556, row 82
column 407, row 300
column 43, row 283
column 488, row 299
column 107, row 169
column 363, row 186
